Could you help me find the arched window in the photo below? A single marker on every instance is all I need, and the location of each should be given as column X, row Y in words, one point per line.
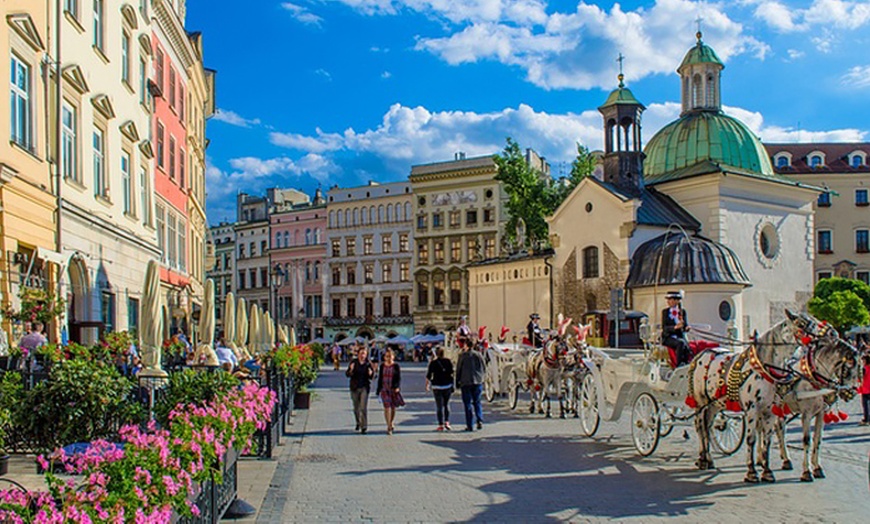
column 308, row 237
column 316, row 271
column 364, row 216
column 857, row 161
column 355, row 220
column 381, row 214
column 711, row 91
column 407, row 211
column 317, row 235
column 697, row 91
column 372, row 213
column 815, row 161
column 782, row 161
column 308, row 271
column 590, row 262
column 389, row 212
column 346, row 217
column 277, row 239
column 332, row 219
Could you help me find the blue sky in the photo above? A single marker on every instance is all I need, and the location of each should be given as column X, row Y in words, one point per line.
column 325, row 92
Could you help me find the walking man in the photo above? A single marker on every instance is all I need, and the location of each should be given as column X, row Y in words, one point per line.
column 361, row 370
column 470, row 369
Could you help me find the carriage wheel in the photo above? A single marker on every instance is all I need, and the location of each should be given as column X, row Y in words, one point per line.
column 587, row 405
column 488, row 388
column 513, row 391
column 727, row 432
column 645, row 424
column 666, row 422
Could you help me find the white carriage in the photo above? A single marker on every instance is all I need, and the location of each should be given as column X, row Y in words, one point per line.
column 506, row 371
column 643, row 380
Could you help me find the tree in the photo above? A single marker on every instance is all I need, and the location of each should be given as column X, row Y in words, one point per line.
column 827, row 286
column 842, row 309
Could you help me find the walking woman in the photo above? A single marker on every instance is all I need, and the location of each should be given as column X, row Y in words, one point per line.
column 439, row 377
column 361, row 371
column 389, row 381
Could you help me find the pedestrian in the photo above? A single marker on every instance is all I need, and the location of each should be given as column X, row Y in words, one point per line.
column 360, row 370
column 463, row 332
column 470, row 369
column 439, row 378
column 865, row 391
column 389, row 381
column 336, row 356
column 32, row 340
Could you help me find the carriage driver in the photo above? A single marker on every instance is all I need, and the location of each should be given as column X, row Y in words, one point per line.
column 463, row 333
column 536, row 337
column 675, row 326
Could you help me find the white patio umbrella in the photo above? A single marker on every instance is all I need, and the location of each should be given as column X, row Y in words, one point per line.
column 254, row 346
column 282, row 335
column 205, row 353
column 292, row 336
column 151, row 322
column 242, row 329
column 230, row 325
column 271, row 325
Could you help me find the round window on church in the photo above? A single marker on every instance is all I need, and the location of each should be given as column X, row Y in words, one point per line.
column 725, row 311
column 768, row 241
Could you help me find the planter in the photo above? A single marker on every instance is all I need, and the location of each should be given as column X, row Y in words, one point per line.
column 302, row 400
column 4, row 464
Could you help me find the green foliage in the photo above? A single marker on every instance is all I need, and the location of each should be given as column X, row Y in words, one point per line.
column 827, row 286
column 78, row 402
column 533, row 196
column 842, row 309
column 37, row 305
column 192, row 387
column 301, row 362
column 319, row 352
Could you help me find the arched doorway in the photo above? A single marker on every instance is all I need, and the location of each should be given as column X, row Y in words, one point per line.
column 430, row 330
column 365, row 332
column 339, row 337
column 78, row 301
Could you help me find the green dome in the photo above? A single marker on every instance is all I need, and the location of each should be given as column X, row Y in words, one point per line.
column 701, row 53
column 700, row 139
column 621, row 96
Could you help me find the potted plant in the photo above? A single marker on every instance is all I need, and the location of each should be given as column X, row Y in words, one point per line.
column 5, row 417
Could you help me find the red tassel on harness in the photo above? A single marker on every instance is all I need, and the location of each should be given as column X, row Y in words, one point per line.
column 691, row 402
column 732, row 405
column 806, row 341
column 537, row 387
column 829, row 418
column 842, row 415
column 481, row 332
column 776, row 410
column 786, row 410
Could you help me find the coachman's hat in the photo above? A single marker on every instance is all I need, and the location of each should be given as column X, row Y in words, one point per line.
column 534, row 316
column 676, row 295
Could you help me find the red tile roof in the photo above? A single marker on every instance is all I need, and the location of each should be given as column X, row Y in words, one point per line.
column 836, row 157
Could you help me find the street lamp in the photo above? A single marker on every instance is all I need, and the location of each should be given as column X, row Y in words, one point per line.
column 301, row 325
column 278, row 277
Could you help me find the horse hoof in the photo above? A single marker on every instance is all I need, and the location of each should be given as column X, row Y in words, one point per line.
column 786, row 465
column 562, row 416
column 767, row 477
column 818, row 473
column 751, row 478
column 806, row 477
column 703, row 464
column 710, row 465
column 549, row 416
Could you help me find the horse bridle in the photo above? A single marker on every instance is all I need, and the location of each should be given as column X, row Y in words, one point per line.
column 809, row 372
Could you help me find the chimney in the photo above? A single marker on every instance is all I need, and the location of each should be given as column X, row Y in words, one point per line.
column 459, row 155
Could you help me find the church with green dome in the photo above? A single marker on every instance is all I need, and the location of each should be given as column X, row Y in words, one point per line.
column 699, row 208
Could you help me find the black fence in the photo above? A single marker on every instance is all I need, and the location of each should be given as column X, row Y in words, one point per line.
column 215, row 498
column 266, row 439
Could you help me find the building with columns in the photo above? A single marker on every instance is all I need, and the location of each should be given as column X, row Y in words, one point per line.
column 297, row 261
column 252, row 250
column 458, row 219
column 369, row 240
column 222, row 273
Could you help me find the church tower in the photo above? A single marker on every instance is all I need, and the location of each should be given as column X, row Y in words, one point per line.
column 623, row 151
column 700, row 77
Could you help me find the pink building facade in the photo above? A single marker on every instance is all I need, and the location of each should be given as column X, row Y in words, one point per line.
column 297, row 262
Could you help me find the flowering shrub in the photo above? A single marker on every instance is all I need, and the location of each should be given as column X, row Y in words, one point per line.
column 190, row 387
column 172, row 347
column 301, row 362
column 155, row 473
column 37, row 304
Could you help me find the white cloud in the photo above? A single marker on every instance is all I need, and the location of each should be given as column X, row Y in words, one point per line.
column 316, row 144
column 234, row 119
column 386, row 74
column 323, row 73
column 302, row 14
column 794, row 54
column 771, row 133
column 839, row 14
column 858, row 76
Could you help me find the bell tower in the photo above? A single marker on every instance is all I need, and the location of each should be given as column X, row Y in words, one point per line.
column 623, row 150
column 700, row 78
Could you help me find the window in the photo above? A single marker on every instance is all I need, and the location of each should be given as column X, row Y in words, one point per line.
column 439, row 251
column 316, row 271
column 241, row 279
column 145, row 196
column 143, row 82
column 161, row 132
column 336, row 276
column 824, row 241
column 369, row 305
column 387, row 273
column 351, row 275
column 181, row 103
column 386, row 243
column 857, row 161
column 863, row 276
column 336, row 248
column 590, row 262
column 158, row 69
column 277, row 239
column 241, row 251
column 264, row 277
column 825, row 274
column 20, row 104
column 369, row 273
column 99, row 163
column 471, row 249
column 455, row 291
column 422, row 294
column 404, row 306
column 336, row 307
column 861, row 197
column 172, row 87
column 404, row 271
column 132, row 313
column 489, row 247
column 781, row 161
column 182, row 245
column 126, row 183
column 351, row 246
column 471, row 217
column 69, row 143
column 107, row 312
column 252, row 275
column 181, row 163
column 388, row 307
column 172, row 157
column 125, row 57
column 862, row 241
column 161, row 236
column 455, row 250
column 253, row 247
column 286, row 239
column 438, row 287
column 421, row 222
column 98, row 24
column 71, row 7
column 455, row 219
column 367, row 246
column 264, row 247
column 824, row 200
column 816, row 161
column 489, row 215
column 351, row 307
column 403, row 243
column 423, row 253
column 437, row 220
column 172, row 240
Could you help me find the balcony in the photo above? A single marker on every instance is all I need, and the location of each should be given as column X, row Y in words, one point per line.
column 369, row 320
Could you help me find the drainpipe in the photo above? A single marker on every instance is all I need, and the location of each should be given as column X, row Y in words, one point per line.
column 58, row 135
column 550, row 270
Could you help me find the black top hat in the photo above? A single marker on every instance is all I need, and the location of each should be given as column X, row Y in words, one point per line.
column 534, row 316
column 676, row 295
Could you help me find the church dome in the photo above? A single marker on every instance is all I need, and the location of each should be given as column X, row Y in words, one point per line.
column 675, row 259
column 701, row 53
column 704, row 137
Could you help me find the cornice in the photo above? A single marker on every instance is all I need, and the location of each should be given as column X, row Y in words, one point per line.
column 459, row 173
column 171, row 25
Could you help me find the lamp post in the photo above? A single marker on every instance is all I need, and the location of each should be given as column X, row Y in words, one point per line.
column 278, row 278
column 300, row 325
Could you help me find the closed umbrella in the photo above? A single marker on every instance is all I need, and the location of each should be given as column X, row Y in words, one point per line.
column 282, row 335
column 205, row 353
column 292, row 336
column 254, row 346
column 230, row 325
column 152, row 322
column 242, row 328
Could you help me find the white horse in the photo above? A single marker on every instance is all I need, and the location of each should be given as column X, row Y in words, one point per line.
column 827, row 371
column 545, row 370
column 744, row 381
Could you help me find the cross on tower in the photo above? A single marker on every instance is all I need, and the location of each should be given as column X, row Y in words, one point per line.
column 620, row 59
column 698, row 22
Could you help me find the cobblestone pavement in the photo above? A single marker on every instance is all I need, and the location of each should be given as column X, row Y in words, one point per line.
column 524, row 468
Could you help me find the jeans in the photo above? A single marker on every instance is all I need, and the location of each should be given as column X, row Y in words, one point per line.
column 471, row 401
column 360, row 398
column 865, row 403
column 442, row 407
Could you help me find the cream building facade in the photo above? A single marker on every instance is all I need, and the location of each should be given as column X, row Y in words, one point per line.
column 106, row 226
column 369, row 239
column 458, row 219
column 28, row 158
column 222, row 272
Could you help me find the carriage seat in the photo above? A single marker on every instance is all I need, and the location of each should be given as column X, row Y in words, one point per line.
column 695, row 346
column 526, row 341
